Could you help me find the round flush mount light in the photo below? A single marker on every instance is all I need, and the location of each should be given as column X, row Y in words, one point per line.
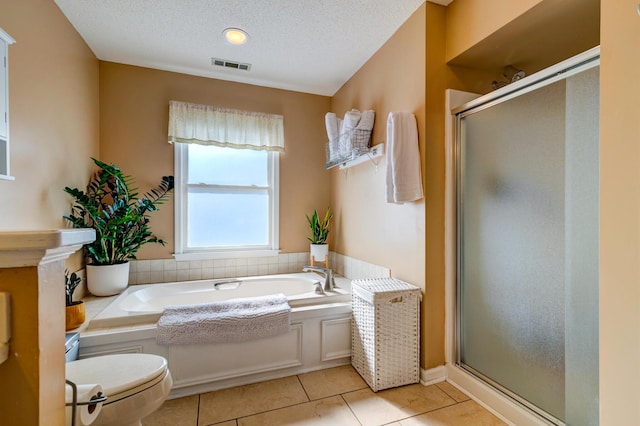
column 235, row 36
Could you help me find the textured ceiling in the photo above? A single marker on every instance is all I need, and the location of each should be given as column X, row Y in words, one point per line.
column 311, row 46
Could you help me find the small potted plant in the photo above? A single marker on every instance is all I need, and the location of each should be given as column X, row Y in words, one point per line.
column 319, row 233
column 121, row 220
column 75, row 314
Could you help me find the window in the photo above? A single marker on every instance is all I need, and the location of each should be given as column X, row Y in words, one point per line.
column 226, row 167
column 226, row 200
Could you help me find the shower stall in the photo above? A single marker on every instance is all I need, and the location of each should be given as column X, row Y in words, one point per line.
column 526, row 252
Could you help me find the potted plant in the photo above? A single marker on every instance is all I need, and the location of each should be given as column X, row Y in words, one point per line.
column 319, row 233
column 121, row 220
column 75, row 314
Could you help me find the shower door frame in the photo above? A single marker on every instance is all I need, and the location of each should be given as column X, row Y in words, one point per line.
column 494, row 397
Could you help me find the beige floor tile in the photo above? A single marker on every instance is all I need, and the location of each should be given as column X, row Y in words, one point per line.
column 229, row 423
column 322, row 412
column 251, row 399
column 175, row 412
column 468, row 413
column 333, row 381
column 452, row 391
column 395, row 404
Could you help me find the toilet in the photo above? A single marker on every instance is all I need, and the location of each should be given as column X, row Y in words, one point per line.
column 135, row 385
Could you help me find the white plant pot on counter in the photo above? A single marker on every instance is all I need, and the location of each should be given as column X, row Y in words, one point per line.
column 319, row 252
column 107, row 280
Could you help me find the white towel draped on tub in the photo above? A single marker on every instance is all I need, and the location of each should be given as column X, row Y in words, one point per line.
column 404, row 179
column 229, row 321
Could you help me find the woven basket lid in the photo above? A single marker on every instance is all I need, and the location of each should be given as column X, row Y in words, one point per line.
column 373, row 289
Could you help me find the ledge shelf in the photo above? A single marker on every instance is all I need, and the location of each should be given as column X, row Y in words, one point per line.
column 375, row 151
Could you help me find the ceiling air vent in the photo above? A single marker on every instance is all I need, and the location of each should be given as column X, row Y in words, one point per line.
column 230, row 64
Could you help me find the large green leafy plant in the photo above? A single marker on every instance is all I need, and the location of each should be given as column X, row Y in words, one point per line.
column 120, row 218
column 319, row 228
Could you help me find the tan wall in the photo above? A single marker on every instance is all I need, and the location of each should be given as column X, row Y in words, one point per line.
column 619, row 213
column 530, row 35
column 407, row 74
column 366, row 226
column 439, row 77
column 134, row 111
column 53, row 104
column 470, row 21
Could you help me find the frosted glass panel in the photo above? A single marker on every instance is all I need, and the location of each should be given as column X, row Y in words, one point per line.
column 513, row 228
column 230, row 220
column 212, row 164
column 528, row 245
column 582, row 241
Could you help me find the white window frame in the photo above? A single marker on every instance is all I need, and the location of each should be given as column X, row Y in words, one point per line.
column 182, row 252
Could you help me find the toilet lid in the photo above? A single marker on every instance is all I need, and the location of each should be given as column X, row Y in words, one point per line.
column 116, row 373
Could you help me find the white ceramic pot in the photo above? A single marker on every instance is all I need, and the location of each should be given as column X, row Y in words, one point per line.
column 319, row 252
column 107, row 280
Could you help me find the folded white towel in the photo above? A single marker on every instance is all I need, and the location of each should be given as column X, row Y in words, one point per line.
column 351, row 119
column 366, row 120
column 331, row 122
column 235, row 320
column 404, row 179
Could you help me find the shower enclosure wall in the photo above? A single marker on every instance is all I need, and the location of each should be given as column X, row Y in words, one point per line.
column 527, row 241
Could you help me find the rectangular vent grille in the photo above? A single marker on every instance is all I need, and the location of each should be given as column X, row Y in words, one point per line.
column 230, row 64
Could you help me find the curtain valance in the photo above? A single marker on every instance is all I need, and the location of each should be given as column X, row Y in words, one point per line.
column 210, row 125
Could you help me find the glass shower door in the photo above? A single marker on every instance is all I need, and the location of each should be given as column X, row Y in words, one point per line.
column 528, row 246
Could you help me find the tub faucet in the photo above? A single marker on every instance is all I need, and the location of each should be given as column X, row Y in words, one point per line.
column 329, row 283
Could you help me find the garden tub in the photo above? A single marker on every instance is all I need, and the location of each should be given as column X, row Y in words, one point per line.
column 320, row 335
column 144, row 303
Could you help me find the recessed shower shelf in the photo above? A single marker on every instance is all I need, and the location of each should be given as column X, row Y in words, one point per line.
column 375, row 151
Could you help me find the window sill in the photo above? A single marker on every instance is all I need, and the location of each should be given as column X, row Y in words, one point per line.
column 181, row 257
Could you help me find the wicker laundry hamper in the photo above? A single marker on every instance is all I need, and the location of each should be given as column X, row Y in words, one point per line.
column 385, row 334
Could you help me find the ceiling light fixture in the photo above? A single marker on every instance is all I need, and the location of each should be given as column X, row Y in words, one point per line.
column 235, row 36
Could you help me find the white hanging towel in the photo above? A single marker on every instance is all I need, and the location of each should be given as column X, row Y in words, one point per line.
column 404, row 179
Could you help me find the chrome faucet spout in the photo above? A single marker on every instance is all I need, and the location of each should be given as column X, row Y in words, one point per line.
column 329, row 282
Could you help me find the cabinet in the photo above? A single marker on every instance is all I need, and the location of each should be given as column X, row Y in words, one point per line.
column 5, row 41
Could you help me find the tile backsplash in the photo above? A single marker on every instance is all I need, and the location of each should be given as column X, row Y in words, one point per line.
column 169, row 270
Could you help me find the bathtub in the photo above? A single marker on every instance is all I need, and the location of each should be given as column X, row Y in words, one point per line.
column 320, row 335
column 144, row 303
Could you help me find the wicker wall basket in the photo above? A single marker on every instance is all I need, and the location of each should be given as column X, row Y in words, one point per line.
column 346, row 147
column 385, row 333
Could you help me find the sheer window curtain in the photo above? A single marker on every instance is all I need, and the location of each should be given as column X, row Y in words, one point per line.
column 210, row 125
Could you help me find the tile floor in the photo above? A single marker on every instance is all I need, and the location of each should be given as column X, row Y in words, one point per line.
column 334, row 397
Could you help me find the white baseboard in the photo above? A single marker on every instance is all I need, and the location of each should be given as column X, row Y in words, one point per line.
column 433, row 375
